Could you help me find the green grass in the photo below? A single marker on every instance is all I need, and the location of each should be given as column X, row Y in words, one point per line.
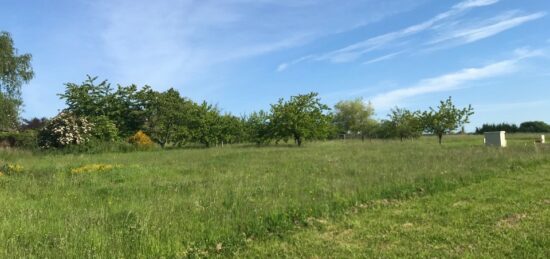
column 504, row 217
column 257, row 202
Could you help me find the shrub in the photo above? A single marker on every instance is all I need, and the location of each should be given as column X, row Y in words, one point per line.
column 141, row 140
column 25, row 139
column 64, row 130
column 104, row 129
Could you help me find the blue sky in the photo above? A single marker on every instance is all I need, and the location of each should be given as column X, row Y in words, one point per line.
column 245, row 54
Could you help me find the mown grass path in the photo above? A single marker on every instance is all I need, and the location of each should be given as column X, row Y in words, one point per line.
column 505, row 216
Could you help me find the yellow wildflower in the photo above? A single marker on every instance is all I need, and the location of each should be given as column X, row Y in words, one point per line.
column 9, row 169
column 92, row 168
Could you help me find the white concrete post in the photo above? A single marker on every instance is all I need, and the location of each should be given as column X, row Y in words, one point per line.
column 495, row 139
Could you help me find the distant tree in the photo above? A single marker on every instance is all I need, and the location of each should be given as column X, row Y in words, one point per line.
column 88, row 99
column 354, row 116
column 446, row 118
column 534, row 127
column 34, row 124
column 301, row 117
column 169, row 117
column 384, row 130
column 129, row 108
column 510, row 128
column 103, row 128
column 232, row 129
column 258, row 127
column 206, row 125
column 405, row 123
column 9, row 114
column 15, row 70
column 125, row 106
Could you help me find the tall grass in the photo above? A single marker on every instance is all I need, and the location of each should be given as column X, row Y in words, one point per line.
column 214, row 201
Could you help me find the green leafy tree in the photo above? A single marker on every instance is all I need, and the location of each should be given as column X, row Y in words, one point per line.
column 125, row 106
column 232, row 129
column 258, row 127
column 405, row 123
column 104, row 129
column 129, row 108
column 354, row 116
column 9, row 114
column 384, row 130
column 534, row 127
column 206, row 125
column 510, row 128
column 15, row 70
column 169, row 116
column 446, row 118
column 301, row 117
column 88, row 99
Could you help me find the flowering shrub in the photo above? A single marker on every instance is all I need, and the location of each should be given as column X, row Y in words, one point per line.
column 63, row 130
column 92, row 168
column 10, row 169
column 141, row 139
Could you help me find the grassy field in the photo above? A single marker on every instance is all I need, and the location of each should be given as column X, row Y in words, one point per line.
column 327, row 199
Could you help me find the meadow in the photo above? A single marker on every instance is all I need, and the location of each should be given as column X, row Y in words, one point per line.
column 326, row 199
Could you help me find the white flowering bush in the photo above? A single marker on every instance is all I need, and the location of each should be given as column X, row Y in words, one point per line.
column 65, row 129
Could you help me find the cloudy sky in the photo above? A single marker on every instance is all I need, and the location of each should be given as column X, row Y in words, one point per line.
column 245, row 54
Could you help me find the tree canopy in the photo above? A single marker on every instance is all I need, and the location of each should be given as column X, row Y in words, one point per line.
column 354, row 116
column 301, row 117
column 15, row 70
column 405, row 123
column 446, row 118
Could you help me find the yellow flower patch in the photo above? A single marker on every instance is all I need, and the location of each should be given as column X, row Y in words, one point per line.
column 93, row 168
column 10, row 169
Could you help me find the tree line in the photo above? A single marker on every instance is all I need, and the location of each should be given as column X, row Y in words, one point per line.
column 525, row 127
column 95, row 110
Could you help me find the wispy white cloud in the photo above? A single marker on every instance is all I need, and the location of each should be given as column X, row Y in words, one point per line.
column 383, row 58
column 357, row 50
column 488, row 28
column 173, row 41
column 284, row 66
column 454, row 80
column 474, row 3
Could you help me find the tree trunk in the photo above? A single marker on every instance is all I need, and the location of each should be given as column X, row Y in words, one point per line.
column 298, row 141
column 363, row 138
column 440, row 137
